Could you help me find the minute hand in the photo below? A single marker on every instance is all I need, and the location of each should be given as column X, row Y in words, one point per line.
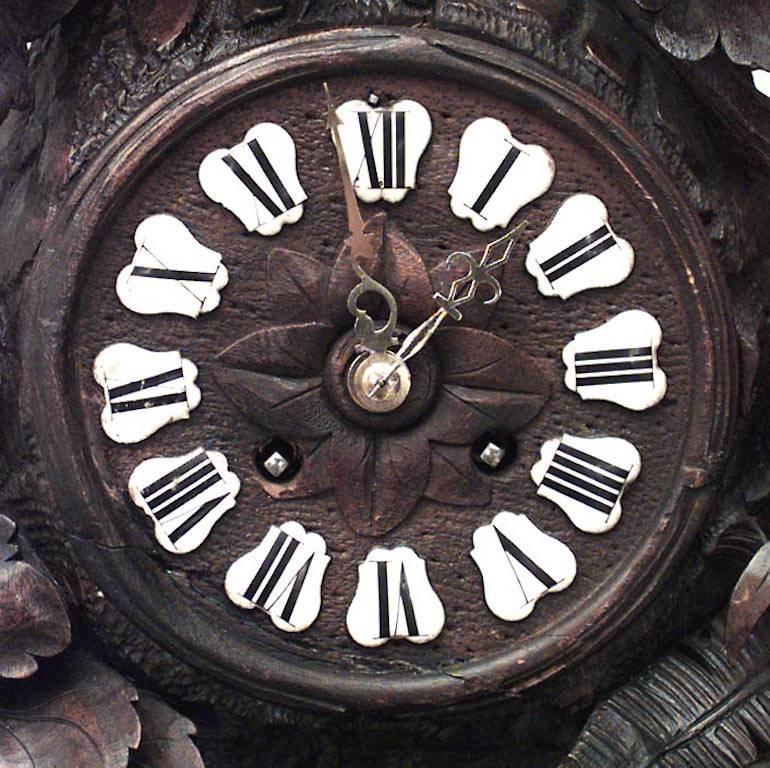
column 461, row 291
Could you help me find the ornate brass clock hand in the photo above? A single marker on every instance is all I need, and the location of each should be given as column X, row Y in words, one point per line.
column 371, row 336
column 461, row 291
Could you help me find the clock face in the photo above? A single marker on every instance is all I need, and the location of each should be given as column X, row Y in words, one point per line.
column 289, row 489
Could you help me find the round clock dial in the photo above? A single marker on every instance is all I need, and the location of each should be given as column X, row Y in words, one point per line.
column 489, row 425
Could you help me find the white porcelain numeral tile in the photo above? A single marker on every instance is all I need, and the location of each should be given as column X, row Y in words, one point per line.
column 618, row 362
column 144, row 390
column 519, row 564
column 184, row 496
column 394, row 599
column 383, row 147
column 587, row 478
column 171, row 271
column 579, row 250
column 497, row 175
column 257, row 179
column 282, row 576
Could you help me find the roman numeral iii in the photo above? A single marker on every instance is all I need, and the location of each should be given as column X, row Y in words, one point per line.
column 587, row 478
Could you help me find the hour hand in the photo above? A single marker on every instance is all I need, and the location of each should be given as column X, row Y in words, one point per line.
column 362, row 244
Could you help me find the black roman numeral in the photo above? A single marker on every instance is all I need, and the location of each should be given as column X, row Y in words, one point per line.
column 584, row 478
column 614, row 366
column 393, row 126
column 262, row 589
column 583, row 250
column 139, row 386
column 404, row 599
column 510, row 549
column 495, row 180
column 285, row 201
column 169, row 495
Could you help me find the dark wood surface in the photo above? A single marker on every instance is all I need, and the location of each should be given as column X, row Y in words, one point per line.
column 694, row 135
column 180, row 601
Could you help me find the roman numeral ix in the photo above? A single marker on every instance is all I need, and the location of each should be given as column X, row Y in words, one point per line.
column 278, row 188
column 586, row 479
column 393, row 126
column 577, row 254
column 172, row 498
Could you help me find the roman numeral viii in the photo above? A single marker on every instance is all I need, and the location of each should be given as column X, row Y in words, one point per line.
column 176, row 498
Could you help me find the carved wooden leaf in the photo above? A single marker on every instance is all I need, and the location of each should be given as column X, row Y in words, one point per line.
column 290, row 407
column 454, row 479
column 296, row 286
column 744, row 27
column 475, row 358
column 33, row 617
column 342, row 278
column 159, row 24
column 687, row 29
column 749, row 601
column 693, row 707
column 166, row 741
column 406, row 276
column 295, row 351
column 378, row 479
column 462, row 414
column 80, row 717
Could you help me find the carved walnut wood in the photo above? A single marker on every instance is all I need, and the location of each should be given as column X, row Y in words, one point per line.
column 291, row 380
column 681, row 442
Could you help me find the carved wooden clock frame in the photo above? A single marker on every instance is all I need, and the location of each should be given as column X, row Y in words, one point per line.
column 623, row 106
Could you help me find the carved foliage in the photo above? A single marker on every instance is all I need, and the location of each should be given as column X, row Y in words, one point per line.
column 275, row 376
column 33, row 618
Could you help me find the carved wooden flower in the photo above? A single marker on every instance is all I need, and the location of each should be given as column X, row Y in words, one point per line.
column 690, row 30
column 275, row 376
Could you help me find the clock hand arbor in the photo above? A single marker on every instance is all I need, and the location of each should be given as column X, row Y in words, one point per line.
column 461, row 291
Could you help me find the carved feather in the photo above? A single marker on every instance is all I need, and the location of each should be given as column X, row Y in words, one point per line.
column 692, row 708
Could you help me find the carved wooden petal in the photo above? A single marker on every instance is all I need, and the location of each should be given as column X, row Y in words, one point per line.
column 295, row 351
column 406, row 276
column 378, row 480
column 33, row 617
column 462, row 413
column 687, row 29
column 313, row 477
column 159, row 24
column 81, row 717
column 289, row 407
column 474, row 358
column 296, row 287
column 454, row 479
column 744, row 27
column 749, row 601
column 166, row 735
column 342, row 278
